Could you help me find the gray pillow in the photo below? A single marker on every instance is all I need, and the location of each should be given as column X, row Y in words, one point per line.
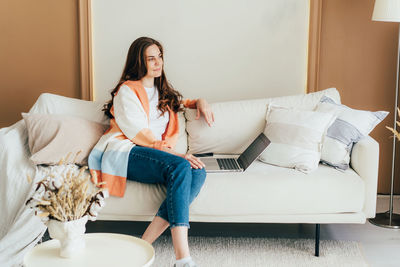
column 350, row 126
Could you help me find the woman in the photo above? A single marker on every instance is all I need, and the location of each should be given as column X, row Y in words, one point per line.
column 139, row 145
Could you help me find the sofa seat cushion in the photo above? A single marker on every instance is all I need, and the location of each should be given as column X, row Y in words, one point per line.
column 268, row 189
column 262, row 189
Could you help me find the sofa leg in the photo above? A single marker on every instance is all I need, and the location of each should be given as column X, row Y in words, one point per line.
column 317, row 228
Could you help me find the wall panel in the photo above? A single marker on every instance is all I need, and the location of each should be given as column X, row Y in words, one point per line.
column 38, row 53
column 219, row 50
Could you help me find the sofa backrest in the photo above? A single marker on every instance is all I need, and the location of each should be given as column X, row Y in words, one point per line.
column 238, row 123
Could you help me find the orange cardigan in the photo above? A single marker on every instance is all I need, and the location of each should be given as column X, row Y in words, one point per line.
column 109, row 158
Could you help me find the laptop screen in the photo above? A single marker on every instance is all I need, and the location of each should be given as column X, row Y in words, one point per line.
column 253, row 151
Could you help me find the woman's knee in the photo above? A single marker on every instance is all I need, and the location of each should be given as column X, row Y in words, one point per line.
column 181, row 163
column 201, row 173
column 180, row 169
column 199, row 176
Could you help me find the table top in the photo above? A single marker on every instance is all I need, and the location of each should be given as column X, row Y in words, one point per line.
column 102, row 249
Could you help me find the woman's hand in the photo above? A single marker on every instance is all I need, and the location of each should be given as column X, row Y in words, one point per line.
column 204, row 108
column 195, row 162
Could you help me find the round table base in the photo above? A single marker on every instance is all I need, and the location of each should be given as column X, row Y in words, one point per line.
column 383, row 220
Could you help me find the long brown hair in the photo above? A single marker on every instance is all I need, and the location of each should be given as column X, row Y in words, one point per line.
column 136, row 68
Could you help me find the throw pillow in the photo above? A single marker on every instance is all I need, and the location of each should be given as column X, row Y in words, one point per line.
column 350, row 126
column 296, row 137
column 51, row 137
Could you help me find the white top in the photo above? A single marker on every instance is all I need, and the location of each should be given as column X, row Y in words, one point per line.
column 102, row 249
column 158, row 123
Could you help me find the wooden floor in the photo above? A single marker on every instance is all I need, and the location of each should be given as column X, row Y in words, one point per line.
column 381, row 246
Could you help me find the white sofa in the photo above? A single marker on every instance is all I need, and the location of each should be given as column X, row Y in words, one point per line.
column 263, row 193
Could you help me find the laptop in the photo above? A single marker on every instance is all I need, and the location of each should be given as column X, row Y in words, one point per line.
column 241, row 163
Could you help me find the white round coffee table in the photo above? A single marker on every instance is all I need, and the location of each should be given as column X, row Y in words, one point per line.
column 102, row 249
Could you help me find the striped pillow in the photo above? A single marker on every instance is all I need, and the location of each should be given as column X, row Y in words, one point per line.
column 296, row 137
column 350, row 126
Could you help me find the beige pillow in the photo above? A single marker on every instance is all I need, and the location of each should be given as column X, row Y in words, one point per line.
column 52, row 137
column 296, row 137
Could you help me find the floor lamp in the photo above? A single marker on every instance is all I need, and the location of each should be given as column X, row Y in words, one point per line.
column 389, row 11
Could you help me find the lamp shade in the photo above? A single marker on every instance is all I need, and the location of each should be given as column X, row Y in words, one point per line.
column 387, row 10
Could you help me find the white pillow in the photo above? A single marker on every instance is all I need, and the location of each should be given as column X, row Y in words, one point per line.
column 350, row 126
column 296, row 137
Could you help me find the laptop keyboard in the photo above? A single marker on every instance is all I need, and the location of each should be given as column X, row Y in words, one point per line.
column 228, row 164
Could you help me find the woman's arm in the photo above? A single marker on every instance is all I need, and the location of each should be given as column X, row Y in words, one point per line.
column 203, row 108
column 189, row 103
column 195, row 162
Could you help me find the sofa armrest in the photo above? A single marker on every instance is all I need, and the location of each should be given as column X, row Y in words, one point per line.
column 365, row 161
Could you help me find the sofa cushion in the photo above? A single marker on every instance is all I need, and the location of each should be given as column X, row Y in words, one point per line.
column 52, row 137
column 296, row 137
column 238, row 123
column 181, row 144
column 350, row 127
column 262, row 189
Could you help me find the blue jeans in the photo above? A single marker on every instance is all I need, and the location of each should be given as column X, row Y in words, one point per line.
column 153, row 166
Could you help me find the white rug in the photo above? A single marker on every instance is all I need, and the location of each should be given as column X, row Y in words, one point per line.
column 228, row 251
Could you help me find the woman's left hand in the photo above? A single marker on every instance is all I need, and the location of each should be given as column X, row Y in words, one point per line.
column 203, row 108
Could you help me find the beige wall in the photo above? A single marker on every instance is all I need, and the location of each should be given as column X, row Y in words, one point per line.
column 38, row 53
column 358, row 56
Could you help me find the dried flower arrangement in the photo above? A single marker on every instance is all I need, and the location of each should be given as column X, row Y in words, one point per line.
column 66, row 193
column 396, row 133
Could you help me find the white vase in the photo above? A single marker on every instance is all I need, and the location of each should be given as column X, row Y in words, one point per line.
column 70, row 234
